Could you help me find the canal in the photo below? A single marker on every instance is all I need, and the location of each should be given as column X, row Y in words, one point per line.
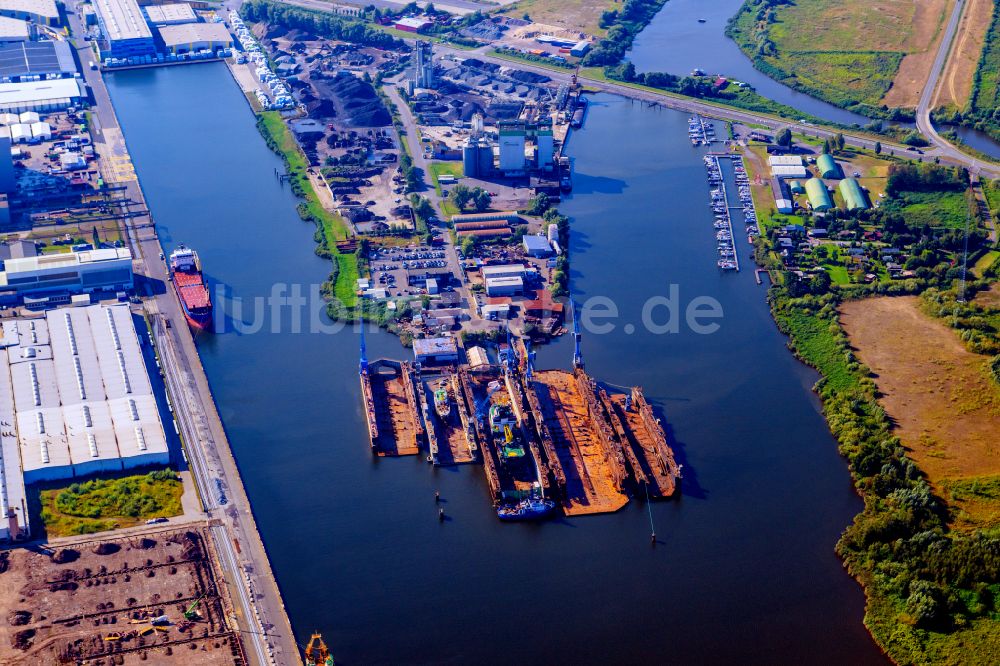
column 744, row 568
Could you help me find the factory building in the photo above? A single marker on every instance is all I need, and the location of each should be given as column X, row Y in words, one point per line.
column 412, row 24
column 76, row 393
column 14, row 30
column 125, row 33
column 513, row 136
column 580, row 49
column 819, row 196
column 58, row 275
column 50, row 95
column 536, row 246
column 854, row 196
column 431, row 351
column 504, row 271
column 170, row 14
column 47, row 60
column 191, row 37
column 44, row 12
column 828, row 167
column 544, row 148
column 504, row 286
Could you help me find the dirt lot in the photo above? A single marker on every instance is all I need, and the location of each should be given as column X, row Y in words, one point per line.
column 922, row 43
column 946, row 408
column 94, row 602
column 956, row 84
column 989, row 297
column 572, row 15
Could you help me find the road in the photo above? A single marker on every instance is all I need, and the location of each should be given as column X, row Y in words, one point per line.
column 262, row 619
column 946, row 150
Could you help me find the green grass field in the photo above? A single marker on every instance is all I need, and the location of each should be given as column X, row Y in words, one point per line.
column 935, row 209
column 103, row 504
column 332, row 225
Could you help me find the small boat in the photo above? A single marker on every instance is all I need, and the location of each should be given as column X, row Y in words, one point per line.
column 442, row 404
column 702, row 21
column 534, row 508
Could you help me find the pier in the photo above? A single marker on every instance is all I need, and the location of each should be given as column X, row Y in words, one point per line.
column 728, row 258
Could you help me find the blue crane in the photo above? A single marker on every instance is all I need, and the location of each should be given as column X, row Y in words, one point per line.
column 577, row 354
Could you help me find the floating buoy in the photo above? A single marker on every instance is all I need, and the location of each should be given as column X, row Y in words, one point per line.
column 437, row 496
column 441, row 515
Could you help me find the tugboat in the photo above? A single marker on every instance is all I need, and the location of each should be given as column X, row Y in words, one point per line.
column 533, row 508
column 316, row 652
column 442, row 404
column 185, row 272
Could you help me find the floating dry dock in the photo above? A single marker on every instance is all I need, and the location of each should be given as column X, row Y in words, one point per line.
column 546, row 439
column 391, row 408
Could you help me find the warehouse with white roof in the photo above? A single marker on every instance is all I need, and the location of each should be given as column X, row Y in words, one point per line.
column 190, row 37
column 170, row 14
column 39, row 11
column 76, row 396
column 124, row 30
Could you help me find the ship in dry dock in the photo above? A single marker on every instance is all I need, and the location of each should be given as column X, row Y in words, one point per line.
column 547, row 439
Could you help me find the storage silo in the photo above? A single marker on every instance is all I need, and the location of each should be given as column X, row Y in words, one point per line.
column 470, row 157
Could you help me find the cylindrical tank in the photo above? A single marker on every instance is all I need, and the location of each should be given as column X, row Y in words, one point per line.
column 470, row 158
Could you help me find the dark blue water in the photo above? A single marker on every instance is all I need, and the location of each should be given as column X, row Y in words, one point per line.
column 745, row 569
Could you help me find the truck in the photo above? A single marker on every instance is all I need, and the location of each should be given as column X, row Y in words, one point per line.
column 93, row 65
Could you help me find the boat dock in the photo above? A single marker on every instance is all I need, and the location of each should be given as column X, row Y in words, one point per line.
column 726, row 245
column 700, row 131
column 451, row 433
column 391, row 408
column 583, row 442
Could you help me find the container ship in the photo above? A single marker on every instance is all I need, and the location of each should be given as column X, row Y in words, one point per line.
column 185, row 270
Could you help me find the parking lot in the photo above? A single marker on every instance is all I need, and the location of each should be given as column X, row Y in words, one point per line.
column 391, row 268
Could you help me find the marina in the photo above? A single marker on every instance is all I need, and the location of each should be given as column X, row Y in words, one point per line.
column 725, row 245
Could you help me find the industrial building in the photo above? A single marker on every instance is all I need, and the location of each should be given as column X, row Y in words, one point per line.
column 828, row 167
column 44, row 12
column 580, row 49
column 854, row 196
column 508, row 216
column 14, row 30
column 788, row 171
column 58, row 275
column 412, row 24
column 784, row 160
column 75, row 399
column 191, row 37
column 125, row 33
column 512, row 140
column 504, row 286
column 504, row 271
column 47, row 60
column 170, row 14
column 423, row 54
column 435, row 350
column 819, row 196
column 796, row 187
column 536, row 246
column 782, row 199
column 50, row 95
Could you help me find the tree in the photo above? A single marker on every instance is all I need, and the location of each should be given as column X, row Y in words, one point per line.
column 820, row 283
column 460, row 195
column 878, row 147
column 468, row 245
column 840, row 141
column 826, row 147
column 784, row 138
column 538, row 204
column 481, row 199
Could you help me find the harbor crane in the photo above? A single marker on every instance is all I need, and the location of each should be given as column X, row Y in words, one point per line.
column 363, row 363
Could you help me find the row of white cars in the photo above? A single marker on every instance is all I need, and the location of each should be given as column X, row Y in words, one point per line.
column 282, row 98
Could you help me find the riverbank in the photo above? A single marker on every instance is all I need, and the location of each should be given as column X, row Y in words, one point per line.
column 330, row 227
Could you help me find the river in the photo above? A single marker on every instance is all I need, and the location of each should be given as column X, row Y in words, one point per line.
column 676, row 42
column 744, row 569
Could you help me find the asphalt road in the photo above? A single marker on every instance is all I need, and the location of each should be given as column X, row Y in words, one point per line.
column 262, row 618
column 946, row 150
